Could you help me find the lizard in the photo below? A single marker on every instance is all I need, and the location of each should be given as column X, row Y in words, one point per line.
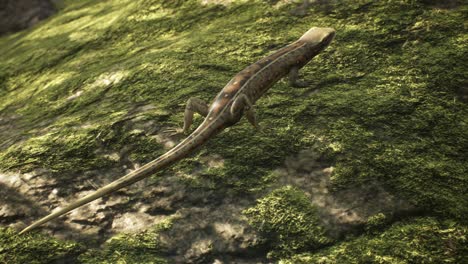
column 234, row 101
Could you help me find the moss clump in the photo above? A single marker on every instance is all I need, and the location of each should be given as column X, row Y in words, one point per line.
column 376, row 222
column 76, row 152
column 35, row 248
column 421, row 240
column 127, row 248
column 288, row 221
column 142, row 247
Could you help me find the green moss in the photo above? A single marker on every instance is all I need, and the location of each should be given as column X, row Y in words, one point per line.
column 376, row 222
column 422, row 240
column 288, row 221
column 76, row 151
column 247, row 167
column 35, row 248
column 390, row 112
column 142, row 247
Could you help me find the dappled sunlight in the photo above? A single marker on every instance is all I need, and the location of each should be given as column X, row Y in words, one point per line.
column 75, row 95
column 53, row 31
column 56, row 79
column 51, row 81
column 216, row 2
column 103, row 81
column 94, row 28
column 460, row 41
column 153, row 12
column 84, row 36
column 166, row 42
column 110, row 78
column 343, row 208
column 133, row 221
column 336, row 146
column 90, row 57
column 84, row 24
column 42, row 83
column 226, row 229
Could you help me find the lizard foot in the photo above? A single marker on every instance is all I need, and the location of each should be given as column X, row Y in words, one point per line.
column 172, row 131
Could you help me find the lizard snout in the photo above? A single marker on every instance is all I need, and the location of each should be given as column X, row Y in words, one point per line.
column 318, row 34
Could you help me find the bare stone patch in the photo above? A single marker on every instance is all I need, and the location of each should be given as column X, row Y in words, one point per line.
column 16, row 15
column 132, row 222
column 343, row 209
column 213, row 161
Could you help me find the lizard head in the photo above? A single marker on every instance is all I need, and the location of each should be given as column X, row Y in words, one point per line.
column 317, row 35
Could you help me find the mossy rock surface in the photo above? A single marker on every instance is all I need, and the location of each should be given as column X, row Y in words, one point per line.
column 86, row 94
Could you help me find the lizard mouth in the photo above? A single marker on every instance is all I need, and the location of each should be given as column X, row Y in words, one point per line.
column 329, row 37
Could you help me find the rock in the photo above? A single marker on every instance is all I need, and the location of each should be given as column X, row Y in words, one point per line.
column 16, row 15
column 199, row 251
column 132, row 222
column 340, row 210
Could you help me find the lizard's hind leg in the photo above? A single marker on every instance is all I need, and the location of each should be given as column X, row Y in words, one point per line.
column 248, row 107
column 294, row 78
column 194, row 105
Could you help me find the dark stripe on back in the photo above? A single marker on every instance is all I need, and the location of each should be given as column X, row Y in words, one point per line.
column 242, row 77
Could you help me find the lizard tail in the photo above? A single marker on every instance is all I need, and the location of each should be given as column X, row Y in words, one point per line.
column 173, row 155
column 130, row 178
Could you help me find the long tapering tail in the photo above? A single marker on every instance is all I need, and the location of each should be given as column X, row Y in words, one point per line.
column 178, row 152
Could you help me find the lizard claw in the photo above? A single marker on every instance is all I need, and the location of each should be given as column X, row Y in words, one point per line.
column 172, row 131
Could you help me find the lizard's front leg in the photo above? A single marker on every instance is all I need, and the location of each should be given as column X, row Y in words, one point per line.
column 194, row 105
column 294, row 78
